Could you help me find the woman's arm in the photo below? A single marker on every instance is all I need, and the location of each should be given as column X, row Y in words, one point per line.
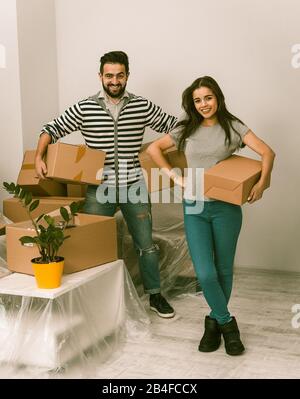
column 155, row 150
column 267, row 158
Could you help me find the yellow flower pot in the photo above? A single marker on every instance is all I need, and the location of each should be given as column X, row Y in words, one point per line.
column 48, row 275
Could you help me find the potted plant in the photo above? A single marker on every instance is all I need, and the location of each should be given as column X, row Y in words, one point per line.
column 50, row 235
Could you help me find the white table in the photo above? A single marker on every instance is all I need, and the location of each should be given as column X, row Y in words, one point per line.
column 49, row 327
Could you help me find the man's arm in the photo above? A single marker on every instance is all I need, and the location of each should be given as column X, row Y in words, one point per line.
column 40, row 165
column 68, row 122
column 160, row 121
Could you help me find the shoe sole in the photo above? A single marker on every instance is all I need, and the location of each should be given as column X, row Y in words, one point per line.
column 163, row 315
column 204, row 350
column 235, row 353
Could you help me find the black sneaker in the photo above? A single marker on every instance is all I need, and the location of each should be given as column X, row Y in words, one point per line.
column 159, row 305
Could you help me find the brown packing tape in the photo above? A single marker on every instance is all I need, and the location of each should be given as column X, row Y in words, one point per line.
column 78, row 177
column 80, row 153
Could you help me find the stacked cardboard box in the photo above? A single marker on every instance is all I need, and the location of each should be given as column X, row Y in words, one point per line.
column 92, row 242
column 14, row 210
column 76, row 190
column 93, row 239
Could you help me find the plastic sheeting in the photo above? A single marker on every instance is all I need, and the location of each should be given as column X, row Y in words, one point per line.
column 177, row 272
column 72, row 329
column 76, row 331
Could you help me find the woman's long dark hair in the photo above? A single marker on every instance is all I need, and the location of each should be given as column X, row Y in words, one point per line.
column 194, row 119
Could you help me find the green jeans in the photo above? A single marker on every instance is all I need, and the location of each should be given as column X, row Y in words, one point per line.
column 212, row 235
column 136, row 209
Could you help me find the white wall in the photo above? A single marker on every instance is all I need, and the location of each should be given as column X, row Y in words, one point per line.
column 245, row 44
column 38, row 66
column 11, row 148
column 28, row 79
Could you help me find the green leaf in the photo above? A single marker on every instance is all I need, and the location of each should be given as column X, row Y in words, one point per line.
column 9, row 187
column 27, row 240
column 49, row 219
column 28, row 198
column 22, row 193
column 65, row 214
column 12, row 187
column 74, row 208
column 42, row 228
column 40, row 217
column 17, row 190
column 34, row 205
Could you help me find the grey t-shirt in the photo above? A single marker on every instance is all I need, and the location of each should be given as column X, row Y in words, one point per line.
column 204, row 148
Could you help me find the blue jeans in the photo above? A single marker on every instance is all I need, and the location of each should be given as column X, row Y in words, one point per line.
column 212, row 236
column 104, row 200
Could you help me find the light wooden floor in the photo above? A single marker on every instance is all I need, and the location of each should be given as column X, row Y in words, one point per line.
column 261, row 302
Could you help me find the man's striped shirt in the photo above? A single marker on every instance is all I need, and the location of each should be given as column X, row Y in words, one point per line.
column 121, row 139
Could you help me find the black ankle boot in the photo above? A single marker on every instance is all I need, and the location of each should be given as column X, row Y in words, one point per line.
column 212, row 336
column 231, row 335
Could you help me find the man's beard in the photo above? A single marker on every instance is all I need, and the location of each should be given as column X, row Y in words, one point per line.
column 116, row 94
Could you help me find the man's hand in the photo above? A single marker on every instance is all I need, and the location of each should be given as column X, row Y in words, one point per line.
column 40, row 168
column 40, row 165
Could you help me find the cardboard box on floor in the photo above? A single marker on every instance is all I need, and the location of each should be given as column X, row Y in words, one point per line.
column 231, row 180
column 74, row 163
column 92, row 242
column 13, row 209
column 76, row 190
column 155, row 179
column 39, row 187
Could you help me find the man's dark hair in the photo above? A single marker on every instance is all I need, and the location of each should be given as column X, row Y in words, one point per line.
column 115, row 57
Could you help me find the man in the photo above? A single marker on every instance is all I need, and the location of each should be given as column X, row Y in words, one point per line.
column 114, row 121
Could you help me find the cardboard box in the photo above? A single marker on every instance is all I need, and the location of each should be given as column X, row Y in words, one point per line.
column 76, row 190
column 93, row 242
column 155, row 179
column 75, row 163
column 40, row 187
column 231, row 180
column 13, row 209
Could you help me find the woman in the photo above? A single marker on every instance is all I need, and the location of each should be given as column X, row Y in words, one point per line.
column 208, row 134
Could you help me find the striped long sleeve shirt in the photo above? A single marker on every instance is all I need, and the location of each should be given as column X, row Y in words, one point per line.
column 121, row 139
